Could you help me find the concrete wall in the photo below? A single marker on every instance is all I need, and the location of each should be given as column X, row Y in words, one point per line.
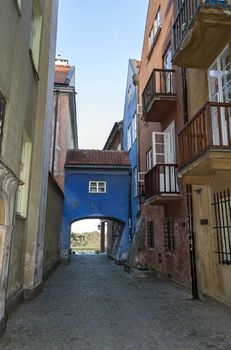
column 55, row 200
column 80, row 204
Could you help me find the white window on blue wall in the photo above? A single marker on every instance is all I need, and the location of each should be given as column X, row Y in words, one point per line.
column 129, row 137
column 134, row 129
column 97, row 187
column 135, row 182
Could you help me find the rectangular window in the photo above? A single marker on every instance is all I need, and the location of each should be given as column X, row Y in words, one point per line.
column 157, row 22
column 222, row 211
column 149, row 159
column 169, row 230
column 2, row 115
column 150, row 234
column 135, row 192
column 22, row 192
column 151, row 38
column 129, row 137
column 97, row 187
column 35, row 33
column 134, row 129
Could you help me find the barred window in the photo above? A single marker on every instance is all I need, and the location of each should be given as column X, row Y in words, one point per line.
column 150, row 234
column 2, row 115
column 222, row 209
column 169, row 233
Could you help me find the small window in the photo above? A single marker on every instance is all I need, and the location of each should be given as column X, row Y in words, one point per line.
column 151, row 38
column 129, row 94
column 149, row 159
column 22, row 192
column 222, row 211
column 135, row 193
column 169, row 230
column 129, row 137
column 134, row 131
column 35, row 33
column 97, row 186
column 157, row 22
column 2, row 116
column 150, row 234
column 18, row 4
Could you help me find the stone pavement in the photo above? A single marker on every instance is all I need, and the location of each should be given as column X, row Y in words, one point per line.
column 92, row 304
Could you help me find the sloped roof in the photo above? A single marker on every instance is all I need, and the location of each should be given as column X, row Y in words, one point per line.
column 63, row 74
column 80, row 157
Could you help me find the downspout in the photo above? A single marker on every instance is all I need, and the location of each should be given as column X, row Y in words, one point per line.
column 189, row 201
column 130, row 207
column 55, row 130
column 136, row 80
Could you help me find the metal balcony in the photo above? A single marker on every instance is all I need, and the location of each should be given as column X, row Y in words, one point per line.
column 161, row 184
column 199, row 25
column 159, row 94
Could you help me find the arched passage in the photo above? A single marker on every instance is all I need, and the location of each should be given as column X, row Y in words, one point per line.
column 97, row 185
column 115, row 229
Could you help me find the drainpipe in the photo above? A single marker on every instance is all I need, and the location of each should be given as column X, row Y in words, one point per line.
column 55, row 130
column 185, row 95
column 189, row 200
column 192, row 243
column 130, row 208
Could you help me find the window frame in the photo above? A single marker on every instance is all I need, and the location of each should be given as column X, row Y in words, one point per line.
column 150, row 235
column 170, row 238
column 134, row 127
column 2, row 118
column 97, row 182
column 129, row 136
column 149, row 160
column 25, row 164
column 222, row 210
column 35, row 35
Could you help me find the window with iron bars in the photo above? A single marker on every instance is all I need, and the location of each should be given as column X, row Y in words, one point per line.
column 222, row 210
column 169, row 234
column 150, row 234
column 2, row 115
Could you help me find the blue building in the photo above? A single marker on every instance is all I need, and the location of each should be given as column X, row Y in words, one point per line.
column 130, row 139
column 97, row 186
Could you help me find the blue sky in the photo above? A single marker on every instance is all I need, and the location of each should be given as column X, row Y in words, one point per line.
column 98, row 37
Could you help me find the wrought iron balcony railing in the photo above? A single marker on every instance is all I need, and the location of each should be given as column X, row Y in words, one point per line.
column 161, row 179
column 160, row 84
column 210, row 128
column 187, row 12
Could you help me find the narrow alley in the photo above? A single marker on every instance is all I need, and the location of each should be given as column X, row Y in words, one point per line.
column 94, row 304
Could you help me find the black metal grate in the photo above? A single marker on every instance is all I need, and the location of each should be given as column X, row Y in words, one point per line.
column 222, row 208
column 169, row 234
column 150, row 234
column 2, row 114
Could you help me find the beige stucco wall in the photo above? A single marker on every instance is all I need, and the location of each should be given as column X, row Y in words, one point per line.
column 53, row 225
column 214, row 279
column 29, row 105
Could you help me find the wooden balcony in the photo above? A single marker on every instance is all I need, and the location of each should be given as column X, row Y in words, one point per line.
column 159, row 95
column 161, row 184
column 199, row 25
column 205, row 142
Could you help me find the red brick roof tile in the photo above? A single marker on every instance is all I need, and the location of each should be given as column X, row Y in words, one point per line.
column 97, row 157
column 61, row 74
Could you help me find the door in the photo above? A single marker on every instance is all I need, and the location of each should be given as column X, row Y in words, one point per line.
column 219, row 80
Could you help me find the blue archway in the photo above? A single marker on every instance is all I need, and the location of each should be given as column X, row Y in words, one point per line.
column 82, row 203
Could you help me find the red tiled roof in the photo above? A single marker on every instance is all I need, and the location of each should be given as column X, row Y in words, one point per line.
column 97, row 157
column 61, row 74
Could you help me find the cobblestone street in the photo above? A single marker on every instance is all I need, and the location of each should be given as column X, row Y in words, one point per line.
column 94, row 304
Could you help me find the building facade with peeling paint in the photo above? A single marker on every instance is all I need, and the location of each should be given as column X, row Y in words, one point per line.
column 28, row 41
